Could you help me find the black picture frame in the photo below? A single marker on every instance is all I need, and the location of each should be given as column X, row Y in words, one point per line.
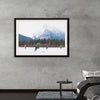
column 19, row 19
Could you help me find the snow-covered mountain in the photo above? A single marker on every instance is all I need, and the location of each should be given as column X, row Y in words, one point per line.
column 24, row 38
column 49, row 32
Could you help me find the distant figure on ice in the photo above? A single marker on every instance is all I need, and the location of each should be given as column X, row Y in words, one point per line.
column 60, row 46
column 37, row 46
column 25, row 46
column 47, row 47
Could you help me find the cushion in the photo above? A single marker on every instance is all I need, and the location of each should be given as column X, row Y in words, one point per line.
column 90, row 74
column 97, row 73
column 87, row 74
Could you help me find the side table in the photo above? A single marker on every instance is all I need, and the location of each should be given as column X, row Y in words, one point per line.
column 63, row 82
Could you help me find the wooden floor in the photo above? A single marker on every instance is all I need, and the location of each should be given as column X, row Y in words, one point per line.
column 20, row 94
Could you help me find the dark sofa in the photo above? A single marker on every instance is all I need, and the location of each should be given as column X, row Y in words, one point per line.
column 89, row 88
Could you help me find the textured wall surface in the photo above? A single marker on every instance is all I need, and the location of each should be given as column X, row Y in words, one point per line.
column 42, row 73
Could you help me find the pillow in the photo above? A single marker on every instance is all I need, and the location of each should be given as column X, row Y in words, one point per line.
column 90, row 74
column 97, row 73
column 87, row 74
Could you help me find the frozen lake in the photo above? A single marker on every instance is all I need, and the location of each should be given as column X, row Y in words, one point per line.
column 41, row 51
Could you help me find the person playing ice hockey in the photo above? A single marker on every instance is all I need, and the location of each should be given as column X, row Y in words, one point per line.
column 25, row 46
column 47, row 47
column 37, row 46
column 60, row 46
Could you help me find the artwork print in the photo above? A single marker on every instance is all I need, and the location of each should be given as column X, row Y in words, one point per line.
column 41, row 37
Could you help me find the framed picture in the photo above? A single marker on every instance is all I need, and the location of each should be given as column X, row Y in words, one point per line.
column 41, row 37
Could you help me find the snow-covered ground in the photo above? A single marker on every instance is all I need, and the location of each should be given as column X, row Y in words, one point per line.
column 41, row 51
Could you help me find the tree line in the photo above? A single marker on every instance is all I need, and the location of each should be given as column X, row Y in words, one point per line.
column 49, row 42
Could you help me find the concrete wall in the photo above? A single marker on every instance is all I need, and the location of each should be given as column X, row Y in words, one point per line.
column 42, row 73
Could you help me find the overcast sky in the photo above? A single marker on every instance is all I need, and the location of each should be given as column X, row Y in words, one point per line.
column 29, row 27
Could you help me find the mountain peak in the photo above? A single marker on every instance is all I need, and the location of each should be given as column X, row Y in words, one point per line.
column 49, row 32
column 22, row 38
